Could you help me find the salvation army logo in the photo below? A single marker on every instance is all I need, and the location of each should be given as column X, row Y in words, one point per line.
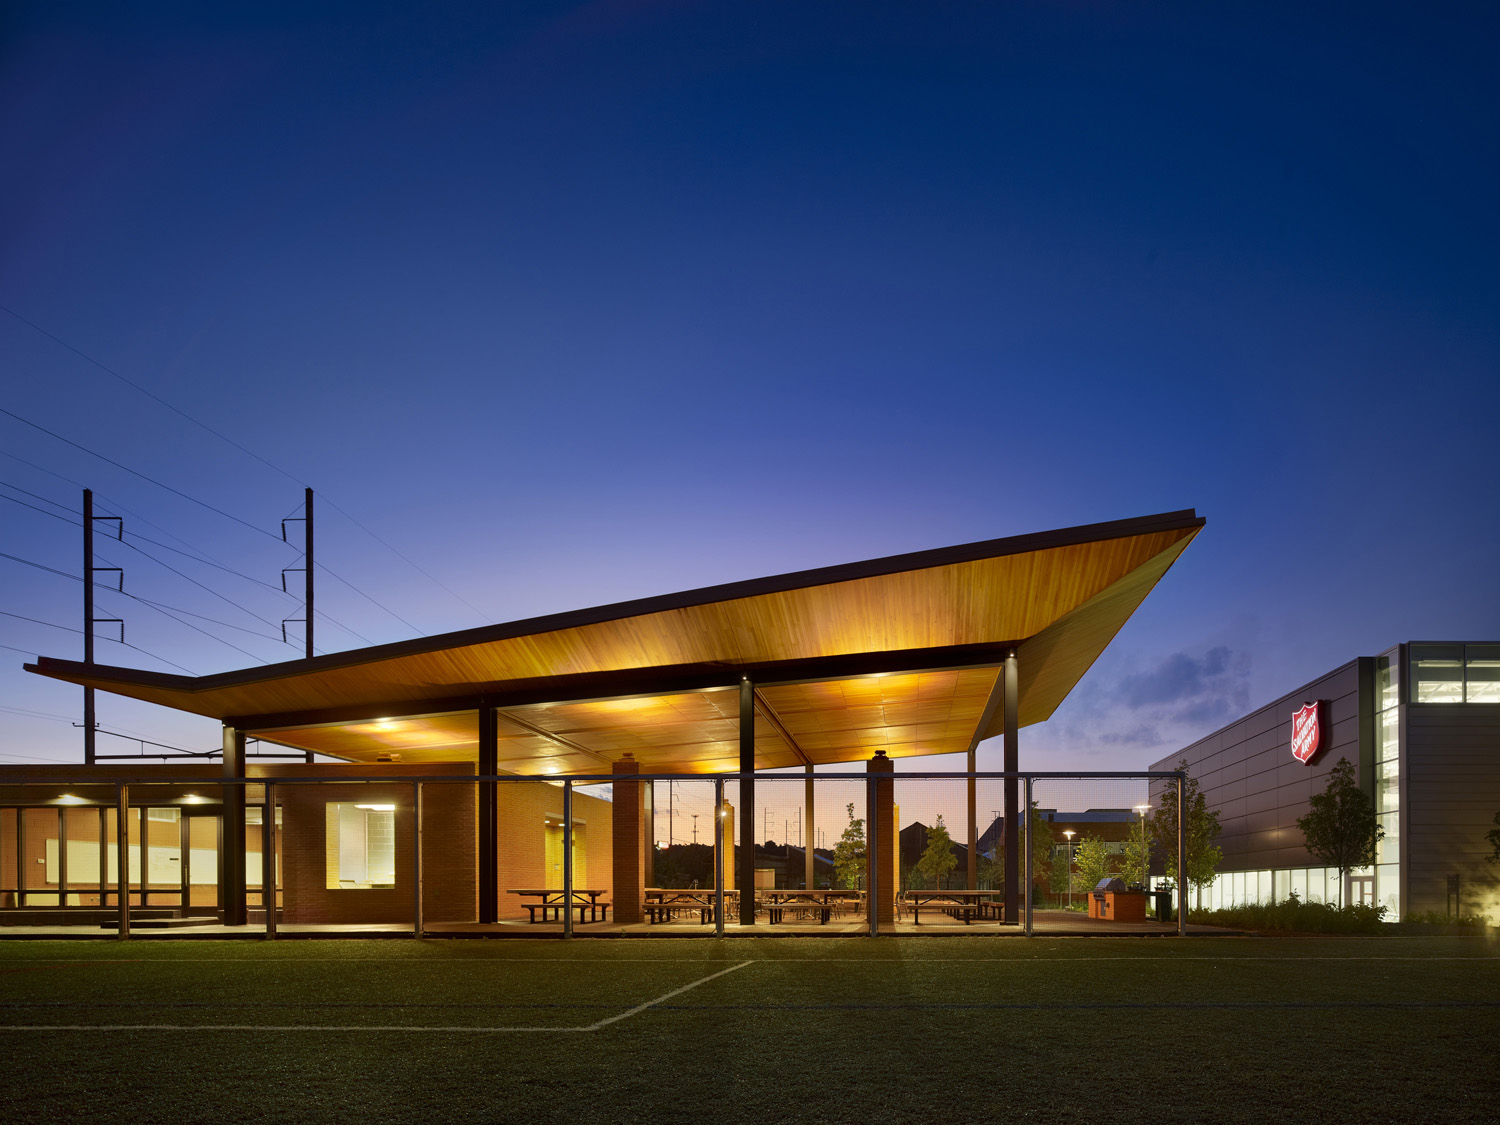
column 1307, row 731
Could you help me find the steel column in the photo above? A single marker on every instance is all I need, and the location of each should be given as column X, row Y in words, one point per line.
column 973, row 867
column 489, row 817
column 718, row 857
column 747, row 802
column 809, row 832
column 1012, row 796
column 122, row 857
column 232, row 845
column 1026, row 879
column 567, row 845
column 872, row 852
column 416, row 859
column 268, row 859
column 1182, row 882
column 62, row 855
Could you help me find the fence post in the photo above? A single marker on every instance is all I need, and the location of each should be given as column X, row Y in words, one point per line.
column 122, row 857
column 718, row 857
column 268, row 859
column 1027, row 870
column 567, row 846
column 872, row 850
column 416, row 859
column 1182, row 881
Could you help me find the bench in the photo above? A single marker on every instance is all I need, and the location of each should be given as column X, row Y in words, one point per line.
column 776, row 910
column 552, row 911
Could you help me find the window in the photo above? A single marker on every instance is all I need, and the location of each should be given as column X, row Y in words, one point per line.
column 1455, row 673
column 1482, row 674
column 361, row 846
column 1437, row 673
column 162, row 814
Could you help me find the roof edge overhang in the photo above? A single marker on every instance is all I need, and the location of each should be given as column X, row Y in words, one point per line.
column 585, row 686
column 100, row 675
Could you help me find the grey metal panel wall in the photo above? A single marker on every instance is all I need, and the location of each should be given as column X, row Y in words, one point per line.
column 1452, row 793
column 1248, row 774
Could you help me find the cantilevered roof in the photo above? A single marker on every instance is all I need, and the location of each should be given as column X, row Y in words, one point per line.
column 900, row 653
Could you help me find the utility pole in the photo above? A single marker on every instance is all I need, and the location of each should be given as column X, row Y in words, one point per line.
column 88, row 622
column 307, row 578
column 695, row 828
column 90, row 720
column 308, row 562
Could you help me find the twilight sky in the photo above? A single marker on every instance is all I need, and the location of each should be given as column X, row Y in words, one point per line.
column 573, row 303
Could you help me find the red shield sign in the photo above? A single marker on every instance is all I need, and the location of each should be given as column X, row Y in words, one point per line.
column 1307, row 731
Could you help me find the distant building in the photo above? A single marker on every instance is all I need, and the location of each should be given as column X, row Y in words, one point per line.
column 1421, row 724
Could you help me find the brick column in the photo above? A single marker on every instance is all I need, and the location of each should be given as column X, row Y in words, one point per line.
column 883, row 818
column 629, row 822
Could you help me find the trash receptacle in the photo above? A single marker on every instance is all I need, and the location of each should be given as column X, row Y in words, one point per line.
column 1163, row 905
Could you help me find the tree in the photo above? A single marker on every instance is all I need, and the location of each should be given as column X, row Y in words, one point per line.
column 849, row 855
column 1041, row 847
column 1137, row 857
column 1203, row 855
column 1091, row 857
column 1341, row 828
column 1493, row 836
column 938, row 859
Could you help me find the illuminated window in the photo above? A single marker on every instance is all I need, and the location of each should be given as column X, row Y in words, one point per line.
column 1455, row 673
column 1437, row 673
column 1482, row 674
column 361, row 846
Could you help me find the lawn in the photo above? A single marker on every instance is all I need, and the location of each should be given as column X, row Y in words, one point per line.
column 806, row 1030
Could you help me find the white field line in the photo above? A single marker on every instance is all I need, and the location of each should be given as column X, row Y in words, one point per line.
column 575, row 963
column 639, row 1008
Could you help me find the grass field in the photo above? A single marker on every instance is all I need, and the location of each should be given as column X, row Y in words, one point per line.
column 763, row 1031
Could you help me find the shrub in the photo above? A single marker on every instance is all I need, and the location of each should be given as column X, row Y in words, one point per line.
column 1293, row 916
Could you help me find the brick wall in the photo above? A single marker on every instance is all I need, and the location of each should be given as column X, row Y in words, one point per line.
column 448, row 855
column 521, row 848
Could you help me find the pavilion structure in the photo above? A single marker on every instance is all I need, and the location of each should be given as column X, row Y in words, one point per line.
column 917, row 654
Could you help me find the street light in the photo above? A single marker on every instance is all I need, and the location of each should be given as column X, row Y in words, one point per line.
column 1069, row 833
column 1142, row 810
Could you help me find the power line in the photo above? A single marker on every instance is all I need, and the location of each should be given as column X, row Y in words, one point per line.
column 137, row 473
column 201, row 556
column 195, row 582
column 39, row 621
column 248, row 452
column 127, row 644
column 368, row 598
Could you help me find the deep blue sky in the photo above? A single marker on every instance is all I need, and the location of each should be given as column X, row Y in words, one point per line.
column 576, row 303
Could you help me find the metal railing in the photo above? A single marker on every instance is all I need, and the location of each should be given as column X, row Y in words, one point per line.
column 271, row 890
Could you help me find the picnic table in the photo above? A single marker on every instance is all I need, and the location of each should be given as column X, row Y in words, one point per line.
column 586, row 902
column 965, row 904
column 820, row 901
column 663, row 903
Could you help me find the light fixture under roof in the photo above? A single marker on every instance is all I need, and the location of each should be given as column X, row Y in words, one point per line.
column 70, row 799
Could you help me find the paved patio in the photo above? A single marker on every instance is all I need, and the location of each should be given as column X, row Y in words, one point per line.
column 1046, row 923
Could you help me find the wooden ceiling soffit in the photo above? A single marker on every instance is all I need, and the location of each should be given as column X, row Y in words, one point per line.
column 567, row 745
column 1051, row 663
column 769, row 714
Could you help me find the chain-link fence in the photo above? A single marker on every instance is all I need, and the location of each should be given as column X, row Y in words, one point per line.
column 877, row 852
